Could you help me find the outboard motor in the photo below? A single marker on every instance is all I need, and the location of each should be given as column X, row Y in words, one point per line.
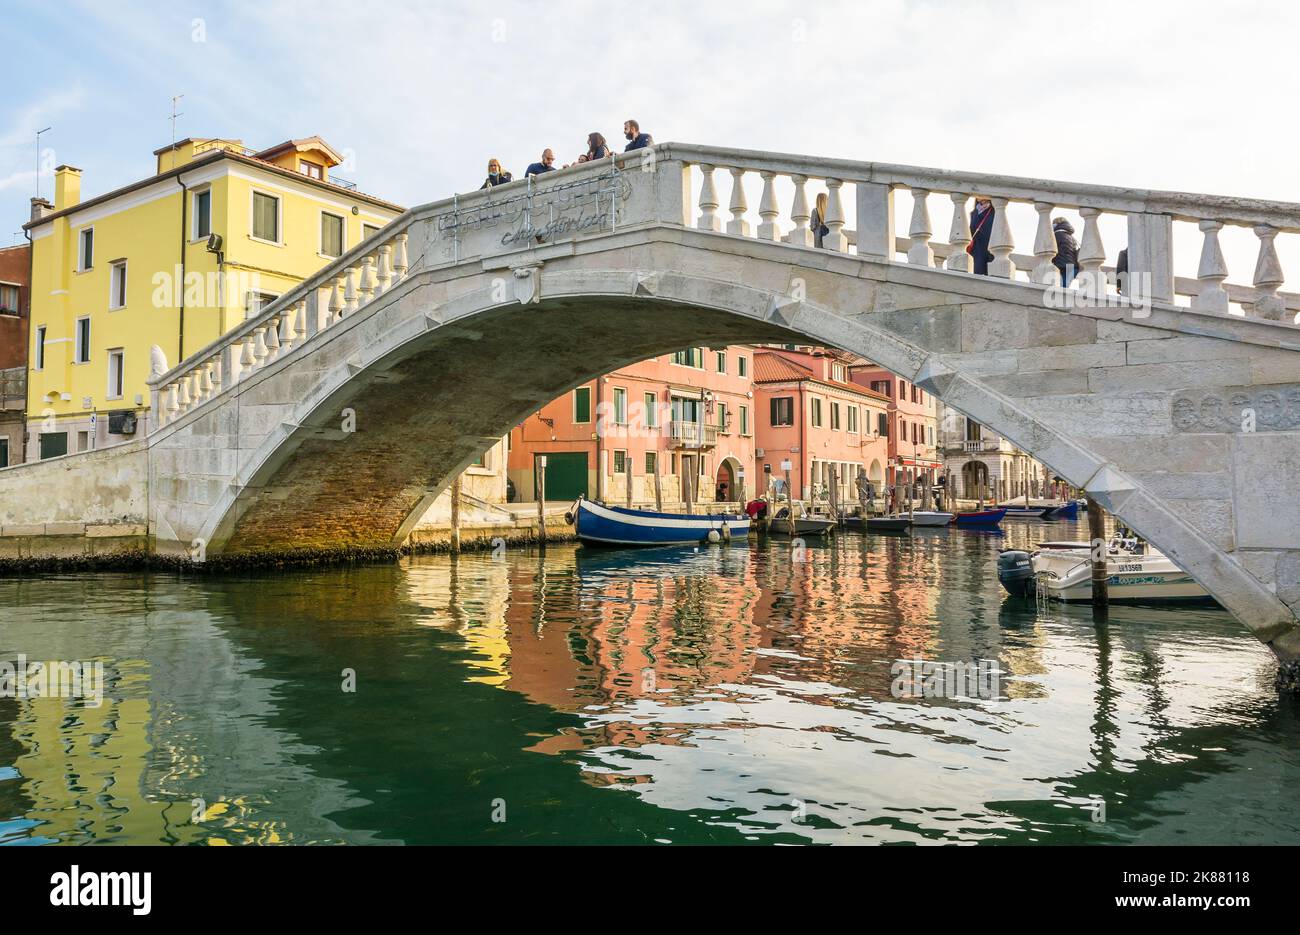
column 1016, row 573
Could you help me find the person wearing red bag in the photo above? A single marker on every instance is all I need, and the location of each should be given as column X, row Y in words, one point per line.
column 981, row 228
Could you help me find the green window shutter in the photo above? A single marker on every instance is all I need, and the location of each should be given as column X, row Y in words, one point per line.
column 582, row 404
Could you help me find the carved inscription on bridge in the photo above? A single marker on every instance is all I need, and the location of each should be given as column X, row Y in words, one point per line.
column 1270, row 408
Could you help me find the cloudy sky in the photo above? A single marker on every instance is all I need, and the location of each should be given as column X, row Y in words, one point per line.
column 1175, row 95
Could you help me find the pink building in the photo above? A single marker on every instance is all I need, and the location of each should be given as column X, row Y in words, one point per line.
column 686, row 415
column 812, row 418
column 913, row 423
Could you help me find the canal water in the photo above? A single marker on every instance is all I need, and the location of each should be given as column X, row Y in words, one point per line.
column 741, row 694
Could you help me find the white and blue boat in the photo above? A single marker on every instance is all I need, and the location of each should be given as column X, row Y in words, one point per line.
column 596, row 524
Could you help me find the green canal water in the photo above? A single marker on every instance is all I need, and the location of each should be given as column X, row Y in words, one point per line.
column 729, row 695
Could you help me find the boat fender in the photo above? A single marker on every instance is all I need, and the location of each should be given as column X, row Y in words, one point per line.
column 568, row 517
column 1016, row 573
column 713, row 536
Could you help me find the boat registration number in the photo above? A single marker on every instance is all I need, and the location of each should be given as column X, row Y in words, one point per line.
column 1123, row 568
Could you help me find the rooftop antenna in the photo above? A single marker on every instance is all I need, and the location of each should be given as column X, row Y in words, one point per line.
column 175, row 100
column 38, row 160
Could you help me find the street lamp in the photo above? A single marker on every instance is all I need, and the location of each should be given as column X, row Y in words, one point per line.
column 38, row 160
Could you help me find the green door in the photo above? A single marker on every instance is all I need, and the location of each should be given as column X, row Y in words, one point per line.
column 566, row 475
column 53, row 444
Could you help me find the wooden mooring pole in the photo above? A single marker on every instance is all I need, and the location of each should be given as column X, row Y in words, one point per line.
column 541, row 500
column 455, row 514
column 1097, row 548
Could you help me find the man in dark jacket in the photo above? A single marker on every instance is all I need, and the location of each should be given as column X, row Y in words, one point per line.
column 1067, row 250
column 981, row 229
column 639, row 140
column 546, row 165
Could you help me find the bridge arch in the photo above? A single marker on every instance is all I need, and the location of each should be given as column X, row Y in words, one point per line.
column 486, row 328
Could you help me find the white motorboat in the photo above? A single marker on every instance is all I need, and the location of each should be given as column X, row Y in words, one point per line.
column 1136, row 573
column 927, row 517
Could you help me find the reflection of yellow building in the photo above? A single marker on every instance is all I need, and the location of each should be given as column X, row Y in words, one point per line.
column 114, row 275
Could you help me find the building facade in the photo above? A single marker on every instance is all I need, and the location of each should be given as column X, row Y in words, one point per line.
column 15, row 305
column 173, row 260
column 912, row 425
column 683, row 422
column 980, row 463
column 814, row 423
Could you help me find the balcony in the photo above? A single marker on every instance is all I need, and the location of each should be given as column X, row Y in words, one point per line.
column 688, row 435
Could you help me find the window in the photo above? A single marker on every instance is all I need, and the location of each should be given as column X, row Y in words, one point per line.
column 582, row 404
column 256, row 301
column 266, row 217
column 40, row 347
column 480, row 461
column 4, row 452
column 651, row 462
column 691, row 357
column 82, row 351
column 742, row 366
column 620, row 461
column 86, row 250
column 835, row 417
column 783, row 410
column 882, row 425
column 853, row 419
column 723, row 421
column 331, row 234
column 902, row 429
column 929, row 431
column 368, row 231
column 202, row 214
column 914, row 399
column 651, row 415
column 721, row 357
column 972, row 430
column 816, row 409
column 53, row 444
column 902, row 389
column 837, row 372
column 117, row 285
column 116, row 374
column 620, row 406
column 744, row 420
column 312, row 170
column 881, row 387
column 8, row 298
column 83, row 441
column 915, row 433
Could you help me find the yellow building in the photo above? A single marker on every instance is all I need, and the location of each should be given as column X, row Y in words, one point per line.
column 172, row 260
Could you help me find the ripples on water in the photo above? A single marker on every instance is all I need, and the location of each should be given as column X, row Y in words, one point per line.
column 725, row 695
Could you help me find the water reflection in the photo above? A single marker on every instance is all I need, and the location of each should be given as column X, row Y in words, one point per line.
column 724, row 694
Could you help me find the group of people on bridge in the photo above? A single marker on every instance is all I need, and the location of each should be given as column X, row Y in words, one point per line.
column 597, row 148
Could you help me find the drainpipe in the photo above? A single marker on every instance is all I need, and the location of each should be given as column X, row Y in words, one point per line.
column 180, row 349
column 803, row 448
column 31, row 330
column 600, row 468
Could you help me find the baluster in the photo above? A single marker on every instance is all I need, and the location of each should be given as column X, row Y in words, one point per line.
column 205, row 381
column 738, row 206
column 1212, row 271
column 273, row 339
column 185, row 394
column 801, row 236
column 399, row 258
column 336, row 302
column 959, row 235
column 1001, row 243
column 919, row 251
column 709, row 219
column 300, row 324
column 246, row 359
column 1268, row 277
column 1091, row 254
column 834, row 220
column 286, row 329
column 385, row 273
column 259, row 347
column 367, row 287
column 350, row 297
column 173, row 403
column 768, row 229
column 1045, row 272
column 217, row 375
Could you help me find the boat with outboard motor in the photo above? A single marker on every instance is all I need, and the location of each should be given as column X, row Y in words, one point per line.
column 1135, row 573
column 597, row 524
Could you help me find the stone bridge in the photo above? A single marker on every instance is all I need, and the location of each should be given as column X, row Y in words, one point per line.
column 330, row 421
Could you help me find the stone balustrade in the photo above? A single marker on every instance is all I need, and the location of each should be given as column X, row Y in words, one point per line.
column 1150, row 217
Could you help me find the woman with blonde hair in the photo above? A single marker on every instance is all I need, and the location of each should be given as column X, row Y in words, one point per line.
column 818, row 221
column 496, row 175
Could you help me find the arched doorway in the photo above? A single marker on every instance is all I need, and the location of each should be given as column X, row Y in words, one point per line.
column 726, row 486
column 974, row 479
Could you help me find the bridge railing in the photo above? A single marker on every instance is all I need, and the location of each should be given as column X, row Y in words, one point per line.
column 870, row 187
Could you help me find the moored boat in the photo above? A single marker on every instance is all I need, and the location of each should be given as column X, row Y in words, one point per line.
column 990, row 517
column 887, row 524
column 927, row 518
column 1062, row 571
column 803, row 526
column 597, row 524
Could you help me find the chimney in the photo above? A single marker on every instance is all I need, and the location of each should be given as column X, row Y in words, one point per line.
column 67, row 187
column 40, row 208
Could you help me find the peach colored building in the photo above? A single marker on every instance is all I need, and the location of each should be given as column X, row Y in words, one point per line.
column 689, row 414
column 913, row 424
column 813, row 418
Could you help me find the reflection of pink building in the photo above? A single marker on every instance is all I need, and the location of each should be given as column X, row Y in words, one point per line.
column 913, row 423
column 687, row 414
column 813, row 418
